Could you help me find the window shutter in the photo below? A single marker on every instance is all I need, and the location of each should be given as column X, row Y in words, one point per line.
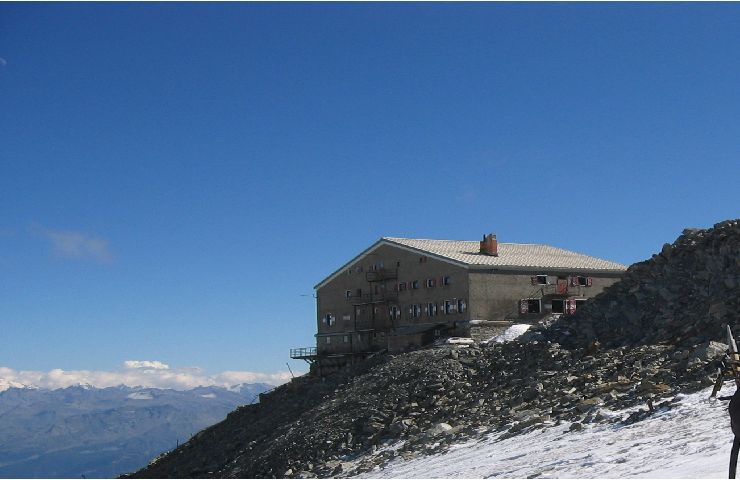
column 573, row 281
column 523, row 307
column 534, row 279
column 589, row 282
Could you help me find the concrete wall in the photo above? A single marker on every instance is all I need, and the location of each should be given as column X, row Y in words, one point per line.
column 495, row 294
column 369, row 314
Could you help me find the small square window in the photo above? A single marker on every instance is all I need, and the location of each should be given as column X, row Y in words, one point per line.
column 446, row 281
column 450, row 306
column 348, row 293
column 431, row 283
column 533, row 305
column 415, row 284
column 542, row 279
column 346, row 339
column 401, row 286
column 328, row 340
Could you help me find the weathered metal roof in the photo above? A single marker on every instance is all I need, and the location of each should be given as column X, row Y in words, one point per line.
column 512, row 255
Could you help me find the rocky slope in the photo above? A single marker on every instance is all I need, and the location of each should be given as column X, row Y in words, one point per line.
column 641, row 341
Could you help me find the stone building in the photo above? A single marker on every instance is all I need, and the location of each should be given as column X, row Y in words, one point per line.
column 403, row 293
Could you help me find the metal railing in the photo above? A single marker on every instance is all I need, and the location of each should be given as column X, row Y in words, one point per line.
column 381, row 275
column 303, row 352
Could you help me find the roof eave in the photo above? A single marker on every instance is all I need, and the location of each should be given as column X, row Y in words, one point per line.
column 521, row 268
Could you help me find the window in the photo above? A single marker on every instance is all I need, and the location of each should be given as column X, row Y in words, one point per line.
column 461, row 306
column 580, row 302
column 359, row 292
column 415, row 284
column 431, row 283
column 558, row 306
column 581, row 281
column 529, row 305
column 431, row 309
column 395, row 312
column 401, row 286
column 346, row 318
column 328, row 340
column 416, row 311
column 398, row 264
column 422, row 259
column 446, row 280
column 358, row 311
column 539, row 280
column 348, row 293
column 329, row 319
column 450, row 306
column 346, row 339
column 437, row 332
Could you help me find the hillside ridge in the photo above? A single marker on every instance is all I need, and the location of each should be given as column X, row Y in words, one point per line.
column 638, row 344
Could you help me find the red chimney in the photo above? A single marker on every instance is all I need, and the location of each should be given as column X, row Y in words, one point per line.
column 489, row 245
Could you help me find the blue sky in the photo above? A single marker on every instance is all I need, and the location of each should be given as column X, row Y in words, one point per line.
column 174, row 177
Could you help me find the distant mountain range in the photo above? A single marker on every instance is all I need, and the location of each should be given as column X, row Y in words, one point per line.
column 83, row 431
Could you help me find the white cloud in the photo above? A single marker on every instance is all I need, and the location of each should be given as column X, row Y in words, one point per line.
column 147, row 364
column 145, row 373
column 78, row 245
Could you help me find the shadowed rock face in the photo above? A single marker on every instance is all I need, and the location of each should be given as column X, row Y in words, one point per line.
column 609, row 356
column 102, row 433
column 683, row 295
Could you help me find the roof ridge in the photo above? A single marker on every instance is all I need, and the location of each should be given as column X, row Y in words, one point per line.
column 472, row 241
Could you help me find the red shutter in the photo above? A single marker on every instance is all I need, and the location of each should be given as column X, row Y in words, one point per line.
column 523, row 306
column 590, row 281
column 533, row 278
column 573, row 281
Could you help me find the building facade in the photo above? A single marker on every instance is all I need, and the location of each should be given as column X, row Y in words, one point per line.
column 401, row 293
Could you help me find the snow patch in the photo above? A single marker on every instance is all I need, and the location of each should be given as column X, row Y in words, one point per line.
column 140, row 396
column 6, row 384
column 691, row 440
column 209, row 395
column 509, row 334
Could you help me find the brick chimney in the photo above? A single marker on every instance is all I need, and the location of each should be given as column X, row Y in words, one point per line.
column 489, row 245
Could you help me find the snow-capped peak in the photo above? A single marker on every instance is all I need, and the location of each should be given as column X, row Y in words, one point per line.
column 6, row 384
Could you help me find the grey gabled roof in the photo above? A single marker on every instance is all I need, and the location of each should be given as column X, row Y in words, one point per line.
column 513, row 256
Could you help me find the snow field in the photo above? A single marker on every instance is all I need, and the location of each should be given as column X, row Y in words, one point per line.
column 692, row 440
